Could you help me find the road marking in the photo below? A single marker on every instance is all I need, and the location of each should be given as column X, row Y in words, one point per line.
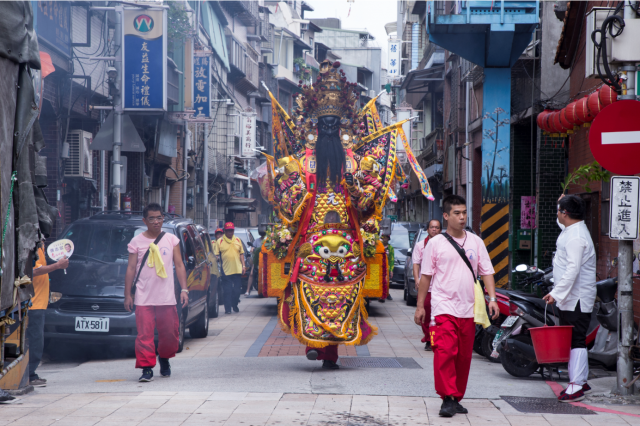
column 611, row 138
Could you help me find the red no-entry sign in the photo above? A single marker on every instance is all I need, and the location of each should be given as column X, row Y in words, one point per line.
column 614, row 137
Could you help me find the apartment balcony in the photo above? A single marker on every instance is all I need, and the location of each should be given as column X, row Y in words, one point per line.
column 266, row 76
column 267, row 46
column 470, row 72
column 434, row 147
column 243, row 62
column 247, row 12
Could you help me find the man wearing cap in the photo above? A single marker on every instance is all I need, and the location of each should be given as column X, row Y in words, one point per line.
column 219, row 233
column 229, row 247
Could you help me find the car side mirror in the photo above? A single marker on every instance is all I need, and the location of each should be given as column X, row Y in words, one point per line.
column 249, row 243
column 409, row 252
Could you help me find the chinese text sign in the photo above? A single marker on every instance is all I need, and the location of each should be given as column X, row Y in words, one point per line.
column 393, row 68
column 625, row 197
column 248, row 129
column 144, row 66
column 528, row 212
column 201, row 84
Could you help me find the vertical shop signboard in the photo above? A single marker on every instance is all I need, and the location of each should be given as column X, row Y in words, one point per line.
column 202, row 86
column 144, row 66
column 248, row 128
column 624, row 204
column 393, row 68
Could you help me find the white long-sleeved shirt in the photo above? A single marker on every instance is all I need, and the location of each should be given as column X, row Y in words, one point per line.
column 574, row 269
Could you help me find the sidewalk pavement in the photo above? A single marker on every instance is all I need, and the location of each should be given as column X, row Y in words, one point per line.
column 247, row 372
column 275, row 409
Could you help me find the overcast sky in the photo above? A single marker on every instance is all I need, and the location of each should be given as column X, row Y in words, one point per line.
column 365, row 14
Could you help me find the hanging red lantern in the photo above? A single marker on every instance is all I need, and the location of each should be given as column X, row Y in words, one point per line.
column 550, row 122
column 541, row 120
column 607, row 95
column 566, row 124
column 594, row 103
column 557, row 125
column 582, row 110
column 572, row 114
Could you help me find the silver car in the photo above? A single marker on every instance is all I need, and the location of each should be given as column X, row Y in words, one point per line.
column 410, row 292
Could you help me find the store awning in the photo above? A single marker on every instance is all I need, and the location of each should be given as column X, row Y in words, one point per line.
column 418, row 81
column 240, row 200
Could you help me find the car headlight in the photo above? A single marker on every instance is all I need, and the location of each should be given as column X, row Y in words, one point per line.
column 54, row 296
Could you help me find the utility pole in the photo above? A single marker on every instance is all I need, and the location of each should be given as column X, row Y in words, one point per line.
column 625, row 257
column 116, row 164
column 205, row 180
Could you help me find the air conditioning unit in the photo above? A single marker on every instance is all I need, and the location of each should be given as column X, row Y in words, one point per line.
column 594, row 21
column 372, row 94
column 80, row 161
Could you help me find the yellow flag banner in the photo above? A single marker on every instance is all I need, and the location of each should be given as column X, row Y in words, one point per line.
column 424, row 182
column 381, row 132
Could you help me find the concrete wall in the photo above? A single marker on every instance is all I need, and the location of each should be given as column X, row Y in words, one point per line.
column 553, row 77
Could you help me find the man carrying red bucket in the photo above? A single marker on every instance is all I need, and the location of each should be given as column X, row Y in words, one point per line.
column 574, row 276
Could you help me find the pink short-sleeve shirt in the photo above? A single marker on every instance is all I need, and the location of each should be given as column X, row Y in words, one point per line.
column 452, row 291
column 151, row 290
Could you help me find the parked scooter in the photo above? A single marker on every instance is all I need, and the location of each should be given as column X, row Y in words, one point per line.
column 515, row 347
column 535, row 279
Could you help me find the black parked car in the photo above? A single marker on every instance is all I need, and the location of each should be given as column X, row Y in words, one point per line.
column 93, row 287
column 402, row 236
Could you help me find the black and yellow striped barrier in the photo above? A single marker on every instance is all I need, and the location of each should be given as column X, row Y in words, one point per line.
column 495, row 233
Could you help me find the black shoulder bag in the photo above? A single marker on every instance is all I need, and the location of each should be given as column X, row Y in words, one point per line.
column 144, row 260
column 462, row 255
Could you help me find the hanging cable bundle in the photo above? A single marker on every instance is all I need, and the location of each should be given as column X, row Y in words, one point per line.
column 610, row 79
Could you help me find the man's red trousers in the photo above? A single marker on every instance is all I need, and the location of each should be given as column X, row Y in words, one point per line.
column 452, row 355
column 148, row 318
column 427, row 317
column 328, row 353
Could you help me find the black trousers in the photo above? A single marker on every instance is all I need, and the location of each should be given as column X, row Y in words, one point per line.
column 35, row 337
column 580, row 322
column 231, row 287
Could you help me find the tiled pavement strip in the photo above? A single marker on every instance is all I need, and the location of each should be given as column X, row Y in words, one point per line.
column 235, row 336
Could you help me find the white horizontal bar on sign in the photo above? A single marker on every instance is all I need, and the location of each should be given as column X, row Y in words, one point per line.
column 611, row 138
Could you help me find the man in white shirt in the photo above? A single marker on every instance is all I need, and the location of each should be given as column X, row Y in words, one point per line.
column 574, row 275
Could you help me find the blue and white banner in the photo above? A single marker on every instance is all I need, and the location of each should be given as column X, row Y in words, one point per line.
column 144, row 66
column 202, row 86
column 393, row 67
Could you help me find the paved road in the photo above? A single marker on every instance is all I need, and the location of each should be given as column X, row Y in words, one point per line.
column 248, row 372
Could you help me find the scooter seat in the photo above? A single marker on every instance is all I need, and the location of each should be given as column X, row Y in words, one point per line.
column 536, row 301
column 606, row 289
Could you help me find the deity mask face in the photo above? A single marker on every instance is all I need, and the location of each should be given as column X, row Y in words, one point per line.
column 330, row 155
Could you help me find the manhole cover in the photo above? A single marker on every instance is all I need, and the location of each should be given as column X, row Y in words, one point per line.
column 544, row 406
column 372, row 362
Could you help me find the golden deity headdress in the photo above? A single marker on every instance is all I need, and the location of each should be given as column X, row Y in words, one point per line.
column 333, row 95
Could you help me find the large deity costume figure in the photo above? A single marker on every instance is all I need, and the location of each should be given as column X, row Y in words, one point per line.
column 332, row 173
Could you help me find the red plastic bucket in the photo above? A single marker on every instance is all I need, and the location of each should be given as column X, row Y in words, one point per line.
column 552, row 343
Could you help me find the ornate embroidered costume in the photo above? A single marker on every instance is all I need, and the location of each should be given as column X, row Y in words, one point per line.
column 323, row 257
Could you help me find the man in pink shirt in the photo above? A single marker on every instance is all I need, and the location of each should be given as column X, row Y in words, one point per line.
column 447, row 275
column 155, row 297
column 433, row 229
